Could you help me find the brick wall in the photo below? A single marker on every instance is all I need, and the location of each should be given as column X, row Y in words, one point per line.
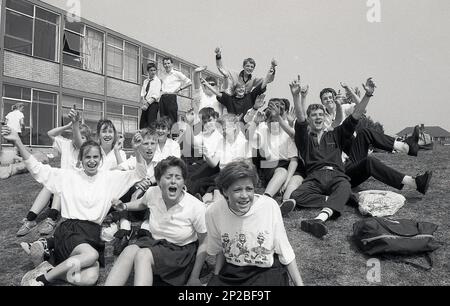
column 124, row 90
column 83, row 80
column 32, row 69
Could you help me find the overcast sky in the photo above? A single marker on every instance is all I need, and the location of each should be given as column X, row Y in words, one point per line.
column 326, row 41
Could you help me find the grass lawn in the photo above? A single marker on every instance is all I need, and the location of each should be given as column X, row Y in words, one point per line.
column 333, row 260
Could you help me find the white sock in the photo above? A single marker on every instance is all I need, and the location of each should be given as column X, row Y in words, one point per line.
column 325, row 214
column 145, row 225
column 401, row 146
column 125, row 224
column 409, row 181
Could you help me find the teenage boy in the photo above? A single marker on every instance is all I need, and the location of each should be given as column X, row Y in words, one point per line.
column 150, row 93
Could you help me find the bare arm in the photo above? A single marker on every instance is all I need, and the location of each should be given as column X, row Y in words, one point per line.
column 352, row 94
column 136, row 205
column 215, row 91
column 11, row 135
column 194, row 278
column 74, row 116
column 220, row 261
column 197, row 76
column 59, row 130
column 299, row 106
column 219, row 63
column 360, row 108
column 294, row 273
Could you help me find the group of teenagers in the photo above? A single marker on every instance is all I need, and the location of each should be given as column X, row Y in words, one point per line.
column 193, row 194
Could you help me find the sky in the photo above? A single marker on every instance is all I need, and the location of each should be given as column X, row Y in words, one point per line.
column 325, row 41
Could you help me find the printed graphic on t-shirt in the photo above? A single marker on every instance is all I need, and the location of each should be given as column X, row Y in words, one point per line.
column 242, row 248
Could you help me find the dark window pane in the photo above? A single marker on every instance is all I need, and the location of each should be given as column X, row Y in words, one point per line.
column 72, row 43
column 16, row 92
column 69, row 101
column 44, row 119
column 72, row 60
column 74, row 26
column 18, row 45
column 114, row 108
column 45, row 97
column 20, row 6
column 131, row 111
column 46, row 15
column 91, row 105
column 114, row 63
column 19, row 26
column 45, row 40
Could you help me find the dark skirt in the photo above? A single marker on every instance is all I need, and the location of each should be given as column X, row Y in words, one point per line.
column 267, row 173
column 203, row 180
column 71, row 233
column 232, row 275
column 173, row 263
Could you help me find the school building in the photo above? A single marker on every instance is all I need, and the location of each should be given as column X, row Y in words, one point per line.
column 51, row 61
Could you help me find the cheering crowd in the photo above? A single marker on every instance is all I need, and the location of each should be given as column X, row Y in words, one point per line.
column 189, row 188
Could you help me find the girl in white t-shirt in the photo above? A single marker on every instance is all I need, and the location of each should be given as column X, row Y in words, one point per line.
column 176, row 250
column 68, row 150
column 166, row 146
column 111, row 144
column 15, row 118
column 247, row 235
column 86, row 196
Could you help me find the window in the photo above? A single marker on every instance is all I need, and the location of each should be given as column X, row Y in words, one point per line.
column 122, row 60
column 40, row 113
column 186, row 70
column 91, row 110
column 83, row 47
column 31, row 30
column 147, row 57
column 125, row 119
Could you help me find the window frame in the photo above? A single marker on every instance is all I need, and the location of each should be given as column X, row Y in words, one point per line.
column 124, row 42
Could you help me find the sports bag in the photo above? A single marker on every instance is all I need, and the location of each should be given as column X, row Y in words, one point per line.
column 379, row 236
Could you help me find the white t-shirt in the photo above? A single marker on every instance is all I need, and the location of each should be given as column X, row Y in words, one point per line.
column 173, row 80
column 68, row 153
column 239, row 149
column 13, row 120
column 171, row 148
column 204, row 100
column 212, row 143
column 275, row 147
column 249, row 240
column 85, row 197
column 130, row 164
column 110, row 160
column 178, row 225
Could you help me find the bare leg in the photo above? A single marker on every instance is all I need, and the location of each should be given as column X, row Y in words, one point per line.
column 41, row 201
column 143, row 263
column 293, row 184
column 87, row 276
column 56, row 204
column 123, row 266
column 276, row 181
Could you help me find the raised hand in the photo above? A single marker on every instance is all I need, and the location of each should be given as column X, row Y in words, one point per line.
column 304, row 90
column 10, row 134
column 119, row 143
column 74, row 115
column 273, row 63
column 137, row 140
column 218, row 51
column 295, row 86
column 200, row 69
column 290, row 116
column 339, row 99
column 259, row 101
column 345, row 86
column 369, row 87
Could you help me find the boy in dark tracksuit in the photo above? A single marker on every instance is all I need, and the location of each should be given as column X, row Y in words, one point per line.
column 326, row 184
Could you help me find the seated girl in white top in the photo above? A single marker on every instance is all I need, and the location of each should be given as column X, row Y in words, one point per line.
column 166, row 147
column 203, row 96
column 247, row 235
column 110, row 144
column 86, row 196
column 176, row 250
column 68, row 151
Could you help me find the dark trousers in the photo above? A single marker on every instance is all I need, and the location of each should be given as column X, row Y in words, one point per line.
column 148, row 116
column 321, row 183
column 168, row 107
column 360, row 166
column 202, row 179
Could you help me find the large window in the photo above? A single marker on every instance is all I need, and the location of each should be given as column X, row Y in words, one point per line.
column 122, row 59
column 31, row 30
column 40, row 112
column 125, row 119
column 83, row 47
column 91, row 110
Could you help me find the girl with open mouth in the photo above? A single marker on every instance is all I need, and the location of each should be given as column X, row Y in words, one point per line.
column 175, row 251
column 111, row 145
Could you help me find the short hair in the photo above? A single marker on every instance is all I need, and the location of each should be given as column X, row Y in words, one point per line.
column 162, row 123
column 249, row 60
column 236, row 85
column 17, row 106
column 229, row 118
column 85, row 131
column 211, row 79
column 151, row 65
column 326, row 90
column 234, row 171
column 87, row 146
column 287, row 104
column 167, row 58
column 109, row 124
column 170, row 161
column 313, row 107
column 207, row 112
column 148, row 132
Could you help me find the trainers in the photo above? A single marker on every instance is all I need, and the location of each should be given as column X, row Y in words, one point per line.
column 121, row 241
column 29, row 279
column 413, row 141
column 37, row 250
column 47, row 226
column 108, row 232
column 315, row 227
column 26, row 227
column 423, row 182
column 287, row 206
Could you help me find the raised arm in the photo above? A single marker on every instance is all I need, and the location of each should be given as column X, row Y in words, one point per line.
column 197, row 76
column 270, row 76
column 59, row 130
column 215, row 91
column 299, row 106
column 219, row 63
column 360, row 108
column 352, row 93
column 74, row 116
column 12, row 136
